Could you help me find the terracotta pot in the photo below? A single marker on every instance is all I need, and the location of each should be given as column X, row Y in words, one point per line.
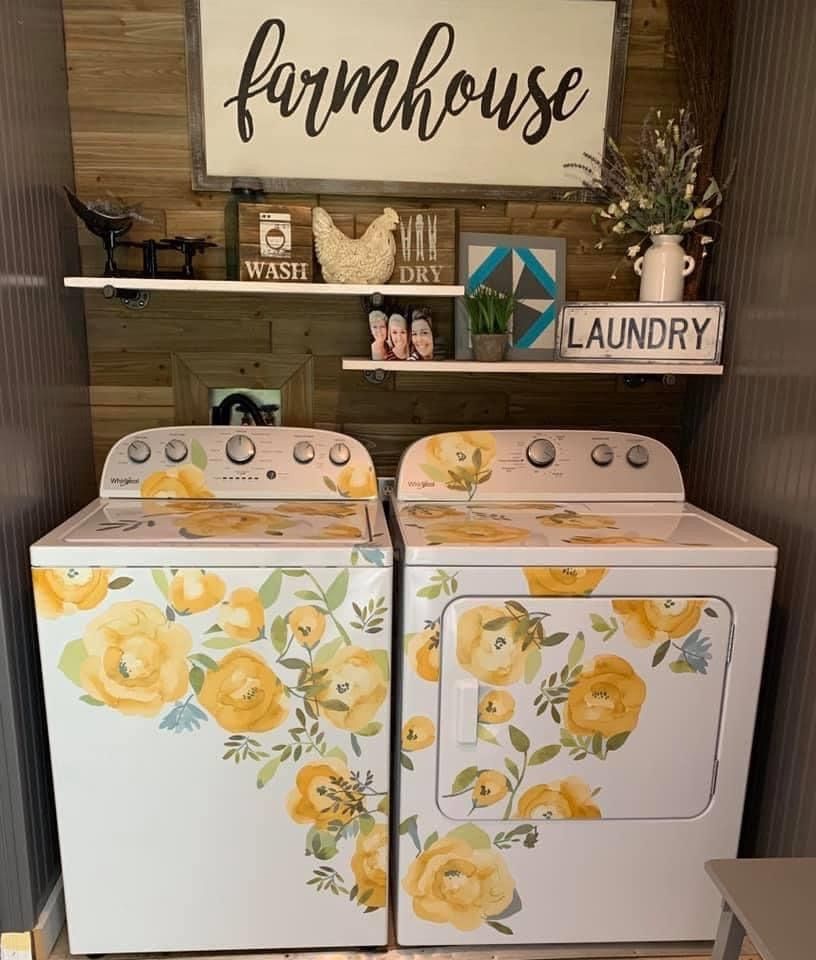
column 489, row 347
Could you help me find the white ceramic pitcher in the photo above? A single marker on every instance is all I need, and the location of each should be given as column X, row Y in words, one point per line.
column 662, row 269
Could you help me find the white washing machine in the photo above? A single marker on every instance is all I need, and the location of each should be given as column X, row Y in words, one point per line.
column 215, row 636
column 581, row 658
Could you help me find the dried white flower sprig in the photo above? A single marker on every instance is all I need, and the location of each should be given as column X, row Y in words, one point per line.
column 658, row 194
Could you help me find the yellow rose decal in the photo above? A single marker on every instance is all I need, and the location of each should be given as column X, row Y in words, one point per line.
column 473, row 531
column 178, row 483
column 243, row 695
column 227, row 523
column 606, row 698
column 355, row 689
column 490, row 787
column 493, row 654
column 563, row 581
column 496, row 706
column 317, row 508
column 423, row 652
column 192, row 591
column 581, row 521
column 460, row 460
column 431, row 511
column 653, row 621
column 64, row 591
column 418, row 733
column 569, row 799
column 369, row 864
column 321, row 796
column 339, row 531
column 451, row 882
column 590, row 541
column 356, row 483
column 307, row 624
column 242, row 615
column 136, row 659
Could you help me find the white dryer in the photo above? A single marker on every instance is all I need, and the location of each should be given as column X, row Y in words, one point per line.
column 581, row 659
column 215, row 639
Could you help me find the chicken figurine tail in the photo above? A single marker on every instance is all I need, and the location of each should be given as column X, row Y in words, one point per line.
column 368, row 259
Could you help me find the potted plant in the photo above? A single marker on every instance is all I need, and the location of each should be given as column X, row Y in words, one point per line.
column 490, row 313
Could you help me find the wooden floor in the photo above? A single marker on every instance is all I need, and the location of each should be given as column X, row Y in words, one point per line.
column 697, row 951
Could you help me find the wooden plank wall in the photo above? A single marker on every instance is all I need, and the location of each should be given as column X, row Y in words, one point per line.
column 127, row 90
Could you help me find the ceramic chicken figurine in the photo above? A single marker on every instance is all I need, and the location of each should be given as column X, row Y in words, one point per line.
column 367, row 260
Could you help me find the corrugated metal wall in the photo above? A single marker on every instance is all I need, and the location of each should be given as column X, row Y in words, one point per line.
column 45, row 452
column 752, row 437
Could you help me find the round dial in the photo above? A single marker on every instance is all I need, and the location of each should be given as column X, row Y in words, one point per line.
column 603, row 455
column 541, row 453
column 176, row 451
column 240, row 449
column 638, row 456
column 339, row 454
column 304, row 452
column 138, row 452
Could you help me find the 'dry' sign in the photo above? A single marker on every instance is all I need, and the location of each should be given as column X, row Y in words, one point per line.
column 678, row 332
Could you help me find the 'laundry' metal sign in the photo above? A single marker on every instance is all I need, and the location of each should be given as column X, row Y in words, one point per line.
column 682, row 332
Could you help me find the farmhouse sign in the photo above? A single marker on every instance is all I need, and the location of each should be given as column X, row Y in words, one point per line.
column 453, row 98
column 642, row 332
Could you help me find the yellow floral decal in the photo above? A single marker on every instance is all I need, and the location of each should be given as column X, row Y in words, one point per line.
column 66, row 591
column 581, row 521
column 473, row 530
column 653, row 621
column 496, row 706
column 369, row 864
column 590, row 541
column 242, row 615
column 490, row 787
column 563, row 581
column 317, row 508
column 460, row 460
column 460, row 880
column 192, row 591
column 314, row 797
column 418, row 733
column 354, row 482
column 243, row 695
column 182, row 483
column 569, row 799
column 135, row 659
column 431, row 511
column 225, row 523
column 308, row 625
column 423, row 652
column 606, row 699
column 355, row 688
column 338, row 531
column 490, row 646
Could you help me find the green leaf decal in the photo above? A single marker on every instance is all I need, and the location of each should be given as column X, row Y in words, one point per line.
column 544, row 754
column 409, row 827
column 617, row 741
column 660, row 653
column 483, row 732
column 553, row 639
column 710, row 612
column 91, row 701
column 598, row 623
column 464, row 779
column 366, row 822
column 576, row 651
column 680, row 666
column 204, row 661
column 383, row 662
column 197, row 679
column 500, row 927
column 326, row 651
column 73, row 656
column 519, row 739
column 120, row 583
column 294, row 572
column 295, row 663
column 334, row 705
column 532, row 663
column 271, row 588
column 322, row 844
column 222, row 643
column 308, row 595
column 514, row 770
column 370, row 729
column 330, row 484
column 267, row 771
column 336, row 593
column 198, row 457
column 430, row 592
column 406, row 761
column 430, row 840
column 473, row 835
column 338, row 754
column 277, row 634
column 160, row 579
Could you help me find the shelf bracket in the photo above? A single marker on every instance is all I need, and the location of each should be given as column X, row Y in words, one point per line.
column 132, row 299
column 377, row 378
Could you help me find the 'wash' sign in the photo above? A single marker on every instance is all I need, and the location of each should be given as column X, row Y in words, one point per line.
column 676, row 332
column 498, row 92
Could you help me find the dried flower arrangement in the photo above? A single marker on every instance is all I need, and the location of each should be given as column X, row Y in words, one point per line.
column 658, row 194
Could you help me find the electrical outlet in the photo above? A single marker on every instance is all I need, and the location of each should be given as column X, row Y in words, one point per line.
column 269, row 402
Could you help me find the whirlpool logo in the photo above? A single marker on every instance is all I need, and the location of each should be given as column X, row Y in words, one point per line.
column 123, row 481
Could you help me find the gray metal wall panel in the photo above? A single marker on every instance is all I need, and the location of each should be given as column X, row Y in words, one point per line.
column 45, row 448
column 751, row 447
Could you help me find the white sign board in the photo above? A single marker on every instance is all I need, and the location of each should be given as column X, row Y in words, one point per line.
column 682, row 332
column 429, row 92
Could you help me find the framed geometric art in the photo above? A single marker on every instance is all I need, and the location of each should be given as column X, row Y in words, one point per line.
column 533, row 269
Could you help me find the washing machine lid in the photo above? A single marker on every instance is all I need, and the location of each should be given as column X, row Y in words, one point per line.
column 573, row 534
column 224, row 532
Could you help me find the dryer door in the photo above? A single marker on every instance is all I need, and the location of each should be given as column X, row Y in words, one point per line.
column 580, row 707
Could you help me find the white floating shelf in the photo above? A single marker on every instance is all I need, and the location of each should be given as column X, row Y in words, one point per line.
column 426, row 291
column 528, row 366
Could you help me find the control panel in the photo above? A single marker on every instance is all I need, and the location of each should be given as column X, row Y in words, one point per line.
column 239, row 463
column 519, row 465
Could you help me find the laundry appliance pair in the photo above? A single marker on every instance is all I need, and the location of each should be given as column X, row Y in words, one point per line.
column 576, row 664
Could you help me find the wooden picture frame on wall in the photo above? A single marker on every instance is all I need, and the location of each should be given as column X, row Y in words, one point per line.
column 261, row 166
column 195, row 374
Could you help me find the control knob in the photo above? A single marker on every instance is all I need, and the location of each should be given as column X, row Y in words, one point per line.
column 304, row 452
column 603, row 455
column 339, row 454
column 176, row 451
column 138, row 452
column 541, row 453
column 638, row 456
column 240, row 449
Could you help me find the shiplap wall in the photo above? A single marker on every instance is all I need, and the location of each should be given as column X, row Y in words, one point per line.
column 127, row 92
column 752, row 436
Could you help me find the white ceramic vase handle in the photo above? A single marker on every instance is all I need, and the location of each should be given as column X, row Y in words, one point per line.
column 690, row 264
column 638, row 267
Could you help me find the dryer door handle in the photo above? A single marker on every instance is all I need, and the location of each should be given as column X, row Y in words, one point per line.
column 467, row 710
